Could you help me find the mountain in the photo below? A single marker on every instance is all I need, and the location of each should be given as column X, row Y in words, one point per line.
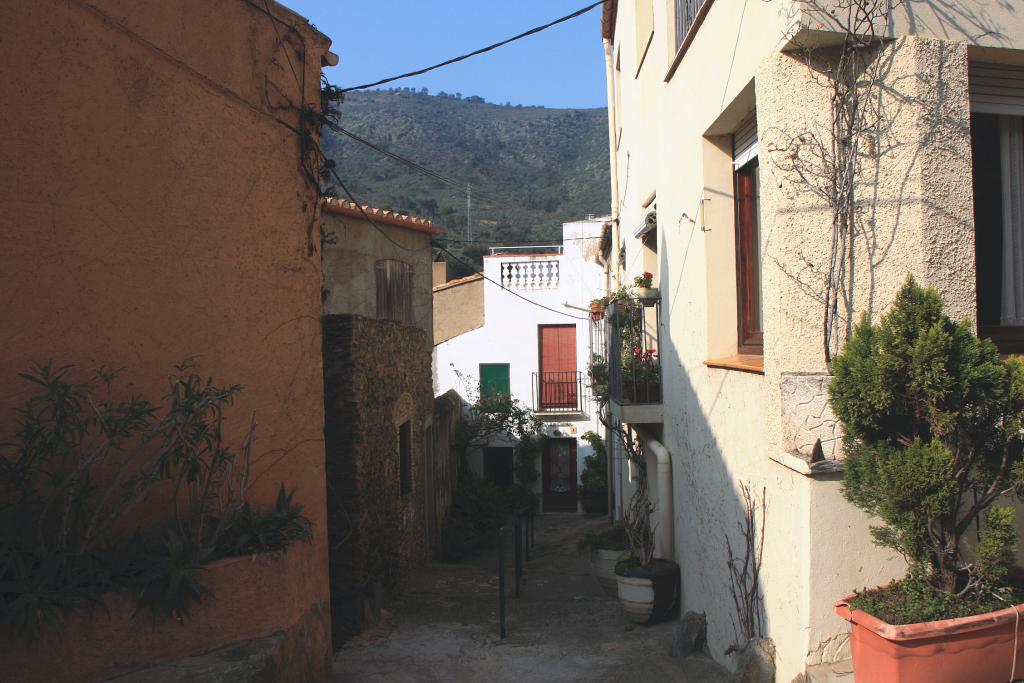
column 529, row 168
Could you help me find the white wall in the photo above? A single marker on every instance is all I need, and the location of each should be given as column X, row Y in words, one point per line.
column 510, row 331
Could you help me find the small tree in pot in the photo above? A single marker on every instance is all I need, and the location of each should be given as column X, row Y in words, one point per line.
column 932, row 419
column 648, row 587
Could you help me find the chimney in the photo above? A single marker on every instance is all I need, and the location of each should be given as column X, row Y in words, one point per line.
column 440, row 273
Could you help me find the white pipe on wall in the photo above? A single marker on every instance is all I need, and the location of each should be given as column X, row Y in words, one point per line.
column 665, row 532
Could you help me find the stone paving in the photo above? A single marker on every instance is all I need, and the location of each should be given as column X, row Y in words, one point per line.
column 562, row 628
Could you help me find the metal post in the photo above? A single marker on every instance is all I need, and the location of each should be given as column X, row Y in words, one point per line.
column 528, row 518
column 501, row 583
column 533, row 528
column 518, row 551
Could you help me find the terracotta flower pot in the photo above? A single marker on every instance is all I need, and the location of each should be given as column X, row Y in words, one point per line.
column 979, row 649
column 597, row 314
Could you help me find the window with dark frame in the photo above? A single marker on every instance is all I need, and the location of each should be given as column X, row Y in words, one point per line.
column 748, row 259
column 685, row 15
column 405, row 458
column 644, row 17
column 394, row 291
column 997, row 146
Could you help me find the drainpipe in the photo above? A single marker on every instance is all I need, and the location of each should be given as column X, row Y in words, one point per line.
column 614, row 473
column 612, row 271
column 665, row 533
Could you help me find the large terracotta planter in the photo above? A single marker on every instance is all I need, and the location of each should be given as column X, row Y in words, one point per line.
column 649, row 597
column 978, row 649
column 603, row 562
column 255, row 596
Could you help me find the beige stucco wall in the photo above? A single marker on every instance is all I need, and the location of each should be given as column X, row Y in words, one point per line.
column 458, row 308
column 350, row 255
column 722, row 426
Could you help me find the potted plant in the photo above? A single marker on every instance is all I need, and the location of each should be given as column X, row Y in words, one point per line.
column 605, row 548
column 597, row 372
column 641, row 376
column 648, row 587
column 932, row 419
column 645, row 292
column 597, row 308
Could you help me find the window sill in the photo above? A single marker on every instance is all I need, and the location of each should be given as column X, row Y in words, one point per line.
column 744, row 362
column 1008, row 340
column 690, row 35
column 643, row 56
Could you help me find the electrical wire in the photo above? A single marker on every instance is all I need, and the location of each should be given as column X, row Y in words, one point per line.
column 481, row 51
column 513, row 293
column 443, row 250
column 454, row 182
column 372, row 222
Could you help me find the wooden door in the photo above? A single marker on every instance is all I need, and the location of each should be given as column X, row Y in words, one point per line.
column 558, row 379
column 559, row 475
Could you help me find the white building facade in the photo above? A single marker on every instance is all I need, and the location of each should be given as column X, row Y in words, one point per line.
column 536, row 342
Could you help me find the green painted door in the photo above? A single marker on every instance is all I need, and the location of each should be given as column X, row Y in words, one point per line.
column 494, row 379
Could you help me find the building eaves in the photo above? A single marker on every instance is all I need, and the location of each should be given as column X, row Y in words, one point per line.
column 460, row 281
column 328, row 58
column 343, row 208
column 608, row 19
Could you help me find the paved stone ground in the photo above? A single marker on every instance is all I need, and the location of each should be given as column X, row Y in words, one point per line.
column 562, row 628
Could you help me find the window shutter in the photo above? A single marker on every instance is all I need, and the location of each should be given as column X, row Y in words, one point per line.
column 394, row 291
column 744, row 143
column 996, row 88
column 494, row 379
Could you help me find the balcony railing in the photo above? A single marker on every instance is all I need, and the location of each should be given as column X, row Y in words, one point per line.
column 530, row 274
column 558, row 392
column 634, row 361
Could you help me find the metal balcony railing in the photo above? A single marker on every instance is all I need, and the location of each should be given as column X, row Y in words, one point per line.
column 559, row 392
column 634, row 361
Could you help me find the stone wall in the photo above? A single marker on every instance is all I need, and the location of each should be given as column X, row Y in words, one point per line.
column 376, row 377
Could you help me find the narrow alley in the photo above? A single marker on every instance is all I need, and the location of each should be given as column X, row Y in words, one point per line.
column 562, row 628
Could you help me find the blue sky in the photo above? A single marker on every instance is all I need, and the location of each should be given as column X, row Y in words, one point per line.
column 560, row 67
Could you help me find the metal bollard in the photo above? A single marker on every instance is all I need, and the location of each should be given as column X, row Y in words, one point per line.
column 518, row 552
column 501, row 583
column 526, row 534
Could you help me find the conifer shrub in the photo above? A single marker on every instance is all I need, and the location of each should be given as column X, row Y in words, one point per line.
column 593, row 491
column 932, row 422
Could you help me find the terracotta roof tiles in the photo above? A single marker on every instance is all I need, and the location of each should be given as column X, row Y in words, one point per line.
column 383, row 216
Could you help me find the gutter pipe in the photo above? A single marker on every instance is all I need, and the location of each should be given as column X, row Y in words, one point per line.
column 665, row 531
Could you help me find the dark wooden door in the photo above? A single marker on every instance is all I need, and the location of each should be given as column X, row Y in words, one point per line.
column 559, row 475
column 498, row 465
column 558, row 382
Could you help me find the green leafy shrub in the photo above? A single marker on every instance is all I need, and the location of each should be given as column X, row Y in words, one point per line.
column 66, row 537
column 518, row 497
column 612, row 538
column 932, row 421
column 593, row 492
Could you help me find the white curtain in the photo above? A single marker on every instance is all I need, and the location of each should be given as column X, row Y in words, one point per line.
column 1012, row 153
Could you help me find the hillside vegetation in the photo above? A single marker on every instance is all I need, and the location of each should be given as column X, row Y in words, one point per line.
column 530, row 168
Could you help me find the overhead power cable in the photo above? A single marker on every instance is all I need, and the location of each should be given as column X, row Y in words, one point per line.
column 513, row 293
column 366, row 216
column 442, row 249
column 436, row 175
column 481, row 51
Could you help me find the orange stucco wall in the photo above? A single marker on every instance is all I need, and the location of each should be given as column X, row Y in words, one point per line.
column 152, row 208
